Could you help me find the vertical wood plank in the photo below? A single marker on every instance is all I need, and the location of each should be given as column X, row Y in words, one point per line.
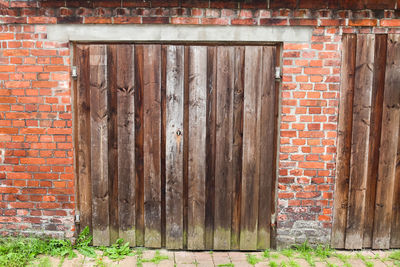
column 388, row 149
column 267, row 128
column 210, row 144
column 197, row 146
column 251, row 148
column 83, row 137
column 99, row 144
column 360, row 140
column 237, row 144
column 112, row 142
column 174, row 146
column 374, row 136
column 395, row 230
column 163, row 142
column 223, row 150
column 139, row 141
column 345, row 123
column 152, row 144
column 126, row 142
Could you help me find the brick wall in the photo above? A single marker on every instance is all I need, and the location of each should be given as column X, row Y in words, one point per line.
column 36, row 149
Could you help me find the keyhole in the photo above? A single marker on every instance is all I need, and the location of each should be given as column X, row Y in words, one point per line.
column 178, row 132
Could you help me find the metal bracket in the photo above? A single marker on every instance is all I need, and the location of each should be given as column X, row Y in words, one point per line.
column 77, row 217
column 74, row 72
column 277, row 72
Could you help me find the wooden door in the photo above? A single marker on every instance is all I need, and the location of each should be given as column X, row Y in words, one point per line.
column 367, row 192
column 176, row 144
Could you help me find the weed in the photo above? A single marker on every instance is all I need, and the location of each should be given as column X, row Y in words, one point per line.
column 266, row 254
column 323, row 252
column 252, row 259
column 343, row 258
column 274, row 255
column 303, row 248
column 309, row 258
column 226, row 265
column 288, row 253
column 157, row 258
column 118, row 251
column 283, row 264
column 331, row 264
column 292, row 263
column 395, row 255
column 273, row 264
column 83, row 244
column 100, row 262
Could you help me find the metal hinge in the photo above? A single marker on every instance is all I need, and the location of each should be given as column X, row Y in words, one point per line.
column 277, row 72
column 77, row 217
column 74, row 72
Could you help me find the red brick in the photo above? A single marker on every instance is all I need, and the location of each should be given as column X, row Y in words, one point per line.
column 184, row 20
column 363, row 22
column 390, row 22
column 243, row 22
column 215, row 21
column 127, row 20
column 274, row 21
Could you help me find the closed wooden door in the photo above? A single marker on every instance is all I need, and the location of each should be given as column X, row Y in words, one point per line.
column 367, row 192
column 175, row 144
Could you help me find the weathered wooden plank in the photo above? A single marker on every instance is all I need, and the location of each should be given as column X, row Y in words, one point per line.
column 99, row 144
column 360, row 140
column 163, row 141
column 139, row 141
column 210, row 145
column 374, row 136
column 251, row 147
column 197, row 146
column 223, row 150
column 174, row 146
column 345, row 123
column 238, row 73
column 266, row 123
column 126, row 142
column 112, row 137
column 388, row 149
column 395, row 230
column 83, row 137
column 152, row 144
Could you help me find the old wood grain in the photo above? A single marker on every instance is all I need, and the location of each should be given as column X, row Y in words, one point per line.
column 388, row 149
column 126, row 142
column 266, row 144
column 174, row 146
column 139, row 141
column 238, row 90
column 345, row 123
column 83, row 137
column 152, row 144
column 360, row 140
column 99, row 144
column 197, row 147
column 251, row 147
column 210, row 145
column 395, row 227
column 223, row 150
column 374, row 136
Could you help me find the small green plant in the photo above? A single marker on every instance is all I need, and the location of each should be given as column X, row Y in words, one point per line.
column 226, row 265
column 309, row 258
column 252, row 259
column 395, row 255
column 288, row 253
column 323, row 252
column 292, row 263
column 118, row 251
column 273, row 264
column 331, row 264
column 266, row 254
column 83, row 244
column 157, row 258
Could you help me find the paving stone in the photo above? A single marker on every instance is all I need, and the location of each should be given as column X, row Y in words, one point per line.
column 166, row 263
column 128, row 262
column 237, row 256
column 184, row 257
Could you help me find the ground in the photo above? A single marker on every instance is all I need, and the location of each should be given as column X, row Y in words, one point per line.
column 283, row 258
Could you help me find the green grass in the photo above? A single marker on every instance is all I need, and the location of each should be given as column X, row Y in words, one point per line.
column 252, row 259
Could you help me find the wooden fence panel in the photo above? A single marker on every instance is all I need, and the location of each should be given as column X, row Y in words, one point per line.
column 360, row 140
column 126, row 142
column 152, row 144
column 197, row 146
column 344, row 140
column 167, row 155
column 388, row 149
column 223, row 150
column 373, row 194
column 99, row 144
column 174, row 146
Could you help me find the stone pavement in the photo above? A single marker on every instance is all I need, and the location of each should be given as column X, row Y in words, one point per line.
column 367, row 258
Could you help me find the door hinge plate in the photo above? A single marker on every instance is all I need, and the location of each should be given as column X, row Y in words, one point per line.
column 277, row 73
column 74, row 72
column 77, row 218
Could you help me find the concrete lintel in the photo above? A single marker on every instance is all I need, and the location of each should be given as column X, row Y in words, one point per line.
column 195, row 33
